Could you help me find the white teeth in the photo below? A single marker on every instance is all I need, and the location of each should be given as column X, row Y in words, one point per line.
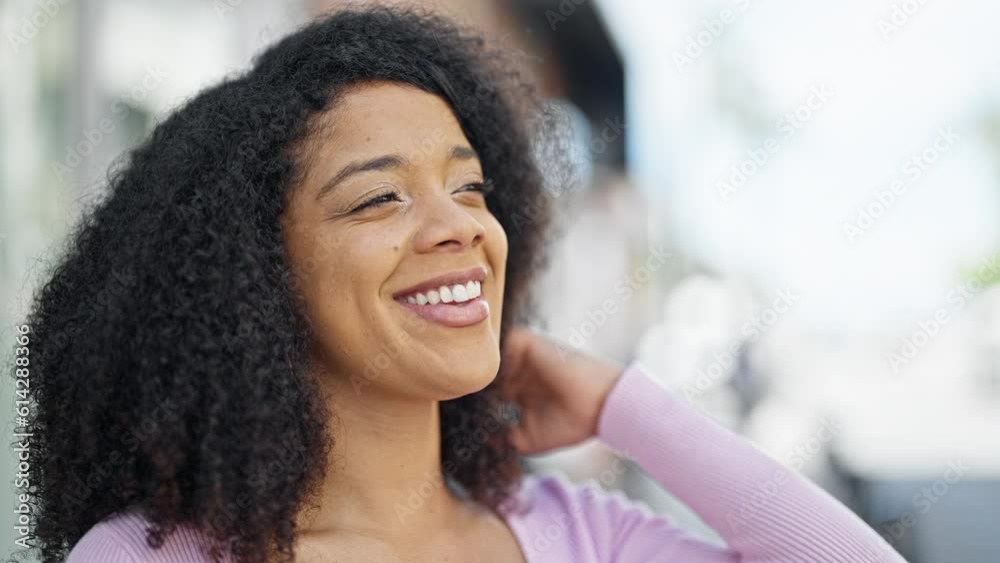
column 457, row 293
column 446, row 294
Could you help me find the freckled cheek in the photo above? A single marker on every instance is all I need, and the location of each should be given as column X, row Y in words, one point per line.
column 341, row 297
column 361, row 266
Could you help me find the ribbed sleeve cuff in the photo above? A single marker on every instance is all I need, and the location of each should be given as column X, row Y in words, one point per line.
column 634, row 401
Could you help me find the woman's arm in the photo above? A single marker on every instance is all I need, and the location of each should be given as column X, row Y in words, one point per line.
column 764, row 510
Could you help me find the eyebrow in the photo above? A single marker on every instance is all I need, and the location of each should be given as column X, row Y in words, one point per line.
column 385, row 162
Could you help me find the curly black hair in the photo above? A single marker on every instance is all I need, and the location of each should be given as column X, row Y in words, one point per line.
column 169, row 350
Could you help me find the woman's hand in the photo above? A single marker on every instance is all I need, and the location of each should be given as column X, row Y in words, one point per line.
column 559, row 390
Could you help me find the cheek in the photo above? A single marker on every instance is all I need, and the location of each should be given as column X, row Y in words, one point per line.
column 496, row 246
column 496, row 253
column 338, row 273
column 356, row 268
column 345, row 297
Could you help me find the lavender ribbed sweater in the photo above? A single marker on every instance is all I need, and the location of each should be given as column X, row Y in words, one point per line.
column 764, row 511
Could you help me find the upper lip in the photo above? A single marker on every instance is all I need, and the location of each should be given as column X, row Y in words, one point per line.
column 477, row 273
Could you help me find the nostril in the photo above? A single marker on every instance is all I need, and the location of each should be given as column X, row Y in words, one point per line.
column 450, row 243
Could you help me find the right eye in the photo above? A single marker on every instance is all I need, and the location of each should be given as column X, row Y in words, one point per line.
column 376, row 200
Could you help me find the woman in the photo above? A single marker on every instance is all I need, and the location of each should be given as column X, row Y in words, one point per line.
column 279, row 336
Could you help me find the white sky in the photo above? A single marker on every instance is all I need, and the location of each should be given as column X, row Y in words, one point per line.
column 785, row 226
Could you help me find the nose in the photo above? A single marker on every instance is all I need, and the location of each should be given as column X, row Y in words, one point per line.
column 446, row 225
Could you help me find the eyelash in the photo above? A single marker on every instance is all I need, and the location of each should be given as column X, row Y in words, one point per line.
column 389, row 196
column 377, row 200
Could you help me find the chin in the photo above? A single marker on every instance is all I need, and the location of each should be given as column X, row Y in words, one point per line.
column 462, row 372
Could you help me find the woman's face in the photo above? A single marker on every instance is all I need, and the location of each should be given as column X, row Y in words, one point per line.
column 391, row 241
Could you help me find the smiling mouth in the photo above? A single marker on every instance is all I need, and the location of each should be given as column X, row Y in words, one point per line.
column 455, row 315
column 456, row 293
column 456, row 303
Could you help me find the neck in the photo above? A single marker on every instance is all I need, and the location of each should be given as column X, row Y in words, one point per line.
column 384, row 475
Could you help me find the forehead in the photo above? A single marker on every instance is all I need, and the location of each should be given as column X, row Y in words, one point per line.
column 386, row 117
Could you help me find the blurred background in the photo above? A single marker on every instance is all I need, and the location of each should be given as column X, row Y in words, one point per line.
column 787, row 210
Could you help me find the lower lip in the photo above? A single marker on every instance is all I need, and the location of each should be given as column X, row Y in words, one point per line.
column 455, row 315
